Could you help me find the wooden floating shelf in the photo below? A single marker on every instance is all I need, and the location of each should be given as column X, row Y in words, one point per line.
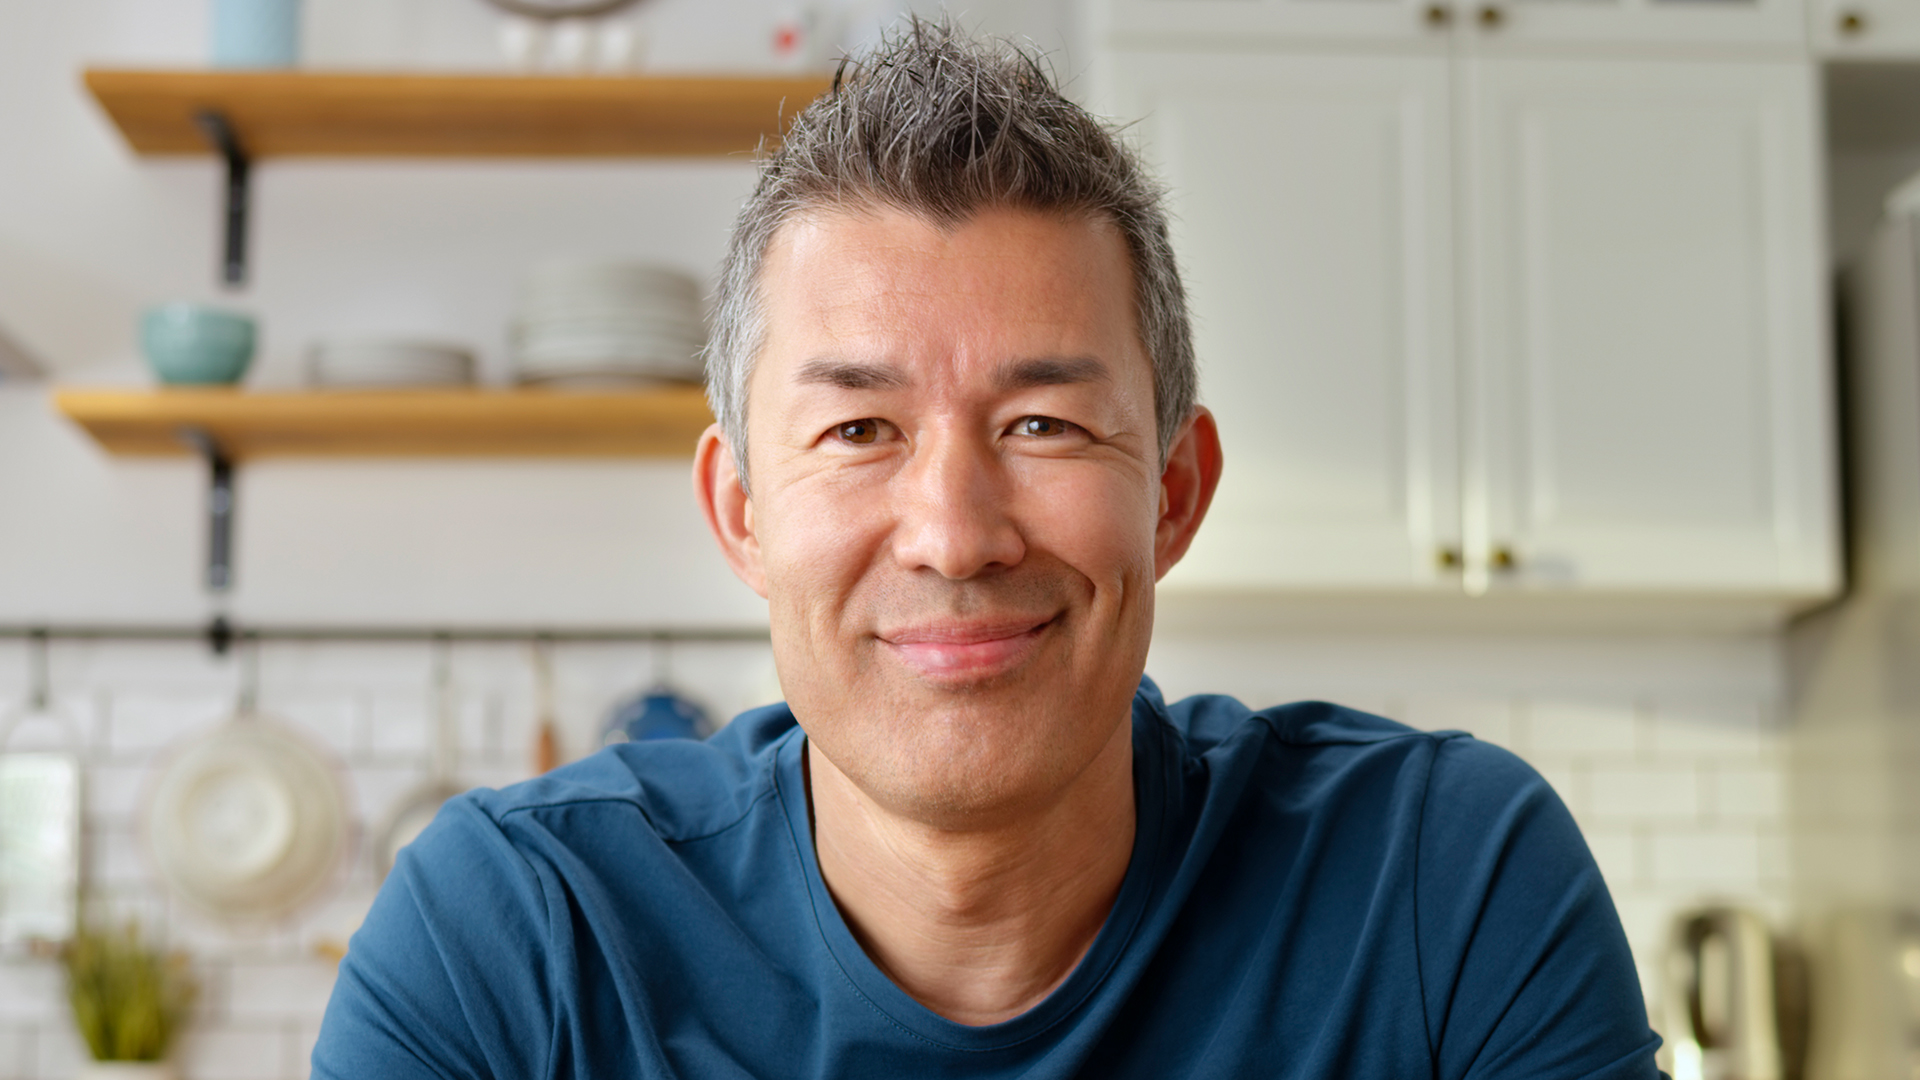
column 413, row 423
column 311, row 113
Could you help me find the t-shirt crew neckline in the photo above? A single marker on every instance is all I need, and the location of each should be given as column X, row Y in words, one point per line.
column 1150, row 785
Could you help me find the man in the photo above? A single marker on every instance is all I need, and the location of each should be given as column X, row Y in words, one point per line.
column 957, row 446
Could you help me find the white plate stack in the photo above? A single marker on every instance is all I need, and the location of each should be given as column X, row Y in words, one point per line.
column 606, row 324
column 386, row 364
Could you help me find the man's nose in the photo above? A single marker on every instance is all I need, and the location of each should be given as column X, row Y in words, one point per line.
column 953, row 509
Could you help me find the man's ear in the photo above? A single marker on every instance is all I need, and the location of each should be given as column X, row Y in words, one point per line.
column 716, row 486
column 1186, row 489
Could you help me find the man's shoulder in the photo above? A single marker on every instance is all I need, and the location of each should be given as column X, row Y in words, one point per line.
column 685, row 789
column 1326, row 738
column 1210, row 720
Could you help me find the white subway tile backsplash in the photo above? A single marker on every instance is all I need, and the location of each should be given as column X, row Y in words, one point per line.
column 173, row 666
column 377, row 790
column 331, row 922
column 300, row 1042
column 1756, row 794
column 476, row 726
column 400, row 724
column 395, row 665
column 116, row 793
column 116, row 858
column 1646, row 918
column 280, row 991
column 1720, row 730
column 142, row 722
column 59, row 1052
column 16, row 1051
column 334, row 720
column 516, row 718
column 1776, row 858
column 232, row 1052
column 1726, row 858
column 1616, row 850
column 1643, row 793
column 494, row 776
column 1567, row 783
column 31, row 990
column 1563, row 729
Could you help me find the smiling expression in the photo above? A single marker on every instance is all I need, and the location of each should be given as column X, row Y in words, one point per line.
column 958, row 510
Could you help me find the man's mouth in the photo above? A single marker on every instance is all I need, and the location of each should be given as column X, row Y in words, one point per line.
column 966, row 651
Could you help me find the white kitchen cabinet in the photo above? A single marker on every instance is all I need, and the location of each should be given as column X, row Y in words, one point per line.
column 1647, row 402
column 1864, row 29
column 1314, row 221
column 1154, row 22
column 1594, row 367
column 1496, row 24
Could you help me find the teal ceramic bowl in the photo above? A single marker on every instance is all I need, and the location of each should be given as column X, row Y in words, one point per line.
column 196, row 345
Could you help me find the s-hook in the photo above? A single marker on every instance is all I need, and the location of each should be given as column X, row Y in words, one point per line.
column 219, row 132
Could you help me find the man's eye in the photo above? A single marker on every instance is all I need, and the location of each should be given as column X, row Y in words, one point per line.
column 859, row 431
column 1041, row 426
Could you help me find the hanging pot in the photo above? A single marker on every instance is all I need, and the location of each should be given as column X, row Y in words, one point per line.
column 416, row 809
column 248, row 822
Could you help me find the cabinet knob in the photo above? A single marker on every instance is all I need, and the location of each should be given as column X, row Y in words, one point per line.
column 1447, row 558
column 1439, row 16
column 1502, row 558
column 1492, row 18
column 1852, row 22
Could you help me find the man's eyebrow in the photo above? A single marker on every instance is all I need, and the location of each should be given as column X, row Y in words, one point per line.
column 851, row 374
column 1051, row 371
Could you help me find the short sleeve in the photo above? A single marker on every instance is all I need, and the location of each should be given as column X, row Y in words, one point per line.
column 1524, row 967
column 447, row 978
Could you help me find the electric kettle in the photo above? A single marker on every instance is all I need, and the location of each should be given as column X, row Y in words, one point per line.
column 1718, row 999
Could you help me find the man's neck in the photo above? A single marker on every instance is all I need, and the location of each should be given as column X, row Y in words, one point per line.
column 978, row 925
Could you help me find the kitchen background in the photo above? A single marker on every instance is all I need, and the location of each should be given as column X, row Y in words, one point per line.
column 1684, row 721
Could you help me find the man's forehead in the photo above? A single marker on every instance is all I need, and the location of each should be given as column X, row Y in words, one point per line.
column 875, row 298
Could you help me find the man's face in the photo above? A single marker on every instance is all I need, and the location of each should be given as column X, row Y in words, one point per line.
column 957, row 514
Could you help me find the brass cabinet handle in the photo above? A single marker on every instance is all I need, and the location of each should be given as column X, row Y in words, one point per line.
column 1853, row 22
column 1439, row 16
column 1502, row 558
column 1492, row 18
column 1447, row 558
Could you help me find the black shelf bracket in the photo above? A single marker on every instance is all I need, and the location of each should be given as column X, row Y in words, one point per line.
column 219, row 132
column 219, row 507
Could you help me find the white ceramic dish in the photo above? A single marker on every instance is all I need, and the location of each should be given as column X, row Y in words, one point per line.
column 248, row 822
column 377, row 362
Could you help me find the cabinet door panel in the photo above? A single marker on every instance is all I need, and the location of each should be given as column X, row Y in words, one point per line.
column 1312, row 204
column 1156, row 22
column 1473, row 24
column 1864, row 29
column 1656, row 23
column 1649, row 398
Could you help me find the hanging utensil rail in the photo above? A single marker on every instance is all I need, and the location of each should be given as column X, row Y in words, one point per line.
column 221, row 634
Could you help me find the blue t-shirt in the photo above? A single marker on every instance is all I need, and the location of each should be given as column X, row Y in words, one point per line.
column 1313, row 892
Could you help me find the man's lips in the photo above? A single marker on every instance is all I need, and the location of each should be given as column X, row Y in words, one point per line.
column 966, row 651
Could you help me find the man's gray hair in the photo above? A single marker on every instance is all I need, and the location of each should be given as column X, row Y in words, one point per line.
column 938, row 124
